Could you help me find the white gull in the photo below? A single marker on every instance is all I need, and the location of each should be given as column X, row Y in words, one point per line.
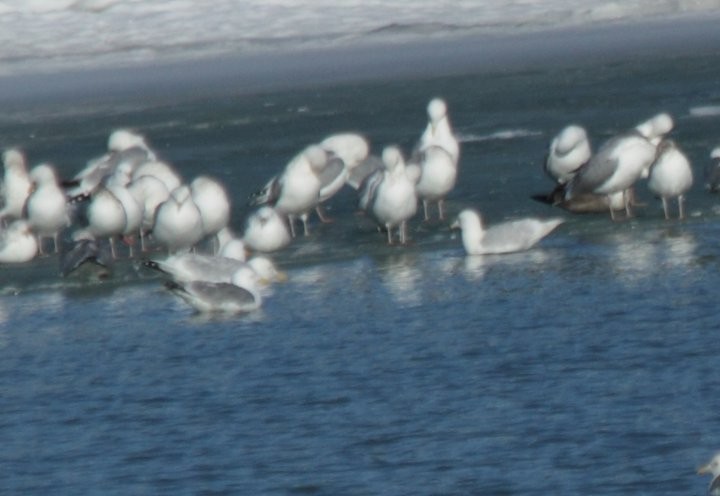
column 712, row 467
column 569, row 150
column 266, row 231
column 506, row 237
column 389, row 194
column 17, row 243
column 670, row 176
column 47, row 209
column 437, row 155
column 178, row 223
column 16, row 185
column 214, row 205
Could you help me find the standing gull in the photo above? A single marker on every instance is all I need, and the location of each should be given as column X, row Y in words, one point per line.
column 16, row 185
column 620, row 162
column 296, row 191
column 214, row 205
column 569, row 150
column 507, row 237
column 437, row 155
column 671, row 176
column 389, row 193
column 46, row 206
column 178, row 222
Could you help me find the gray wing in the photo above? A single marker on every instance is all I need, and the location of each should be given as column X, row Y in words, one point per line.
column 363, row 170
column 368, row 189
column 84, row 251
column 208, row 296
column 516, row 235
column 268, row 195
column 332, row 171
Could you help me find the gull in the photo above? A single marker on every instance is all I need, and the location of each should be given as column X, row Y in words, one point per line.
column 621, row 161
column 214, row 205
column 569, row 150
column 712, row 467
column 149, row 192
column 178, row 222
column 230, row 246
column 86, row 250
column 346, row 151
column 16, row 185
column 437, row 155
column 185, row 267
column 618, row 163
column 296, row 191
column 17, row 243
column 712, row 171
column 159, row 170
column 106, row 217
column 239, row 296
column 507, row 237
column 389, row 194
column 46, row 206
column 670, row 176
column 266, row 231
column 124, row 147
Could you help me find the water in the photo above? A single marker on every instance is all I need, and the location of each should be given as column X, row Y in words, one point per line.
column 584, row 366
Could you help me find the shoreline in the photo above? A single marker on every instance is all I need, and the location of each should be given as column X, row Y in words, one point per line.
column 372, row 61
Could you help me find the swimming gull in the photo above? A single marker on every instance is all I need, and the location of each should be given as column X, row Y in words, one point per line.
column 178, row 223
column 569, row 150
column 266, row 230
column 239, row 296
column 507, row 237
column 46, row 207
column 17, row 243
column 16, row 185
column 712, row 467
column 389, row 194
column 670, row 176
column 437, row 154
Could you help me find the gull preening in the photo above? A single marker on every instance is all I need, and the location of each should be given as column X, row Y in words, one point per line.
column 266, row 230
column 569, row 151
column 506, row 237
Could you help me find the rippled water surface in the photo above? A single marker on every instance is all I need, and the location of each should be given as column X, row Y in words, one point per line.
column 584, row 366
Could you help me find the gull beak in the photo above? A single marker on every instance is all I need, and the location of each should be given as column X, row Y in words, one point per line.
column 281, row 276
column 455, row 225
column 704, row 469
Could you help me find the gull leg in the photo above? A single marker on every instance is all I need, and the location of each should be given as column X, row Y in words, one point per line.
column 389, row 233
column 425, row 210
column 626, row 202
column 304, row 218
column 612, row 212
column 681, row 206
column 665, row 208
column 291, row 221
column 441, row 212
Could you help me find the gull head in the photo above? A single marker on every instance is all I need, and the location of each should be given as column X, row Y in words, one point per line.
column 436, row 109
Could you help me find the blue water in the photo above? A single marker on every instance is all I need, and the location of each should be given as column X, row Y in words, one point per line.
column 584, row 366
